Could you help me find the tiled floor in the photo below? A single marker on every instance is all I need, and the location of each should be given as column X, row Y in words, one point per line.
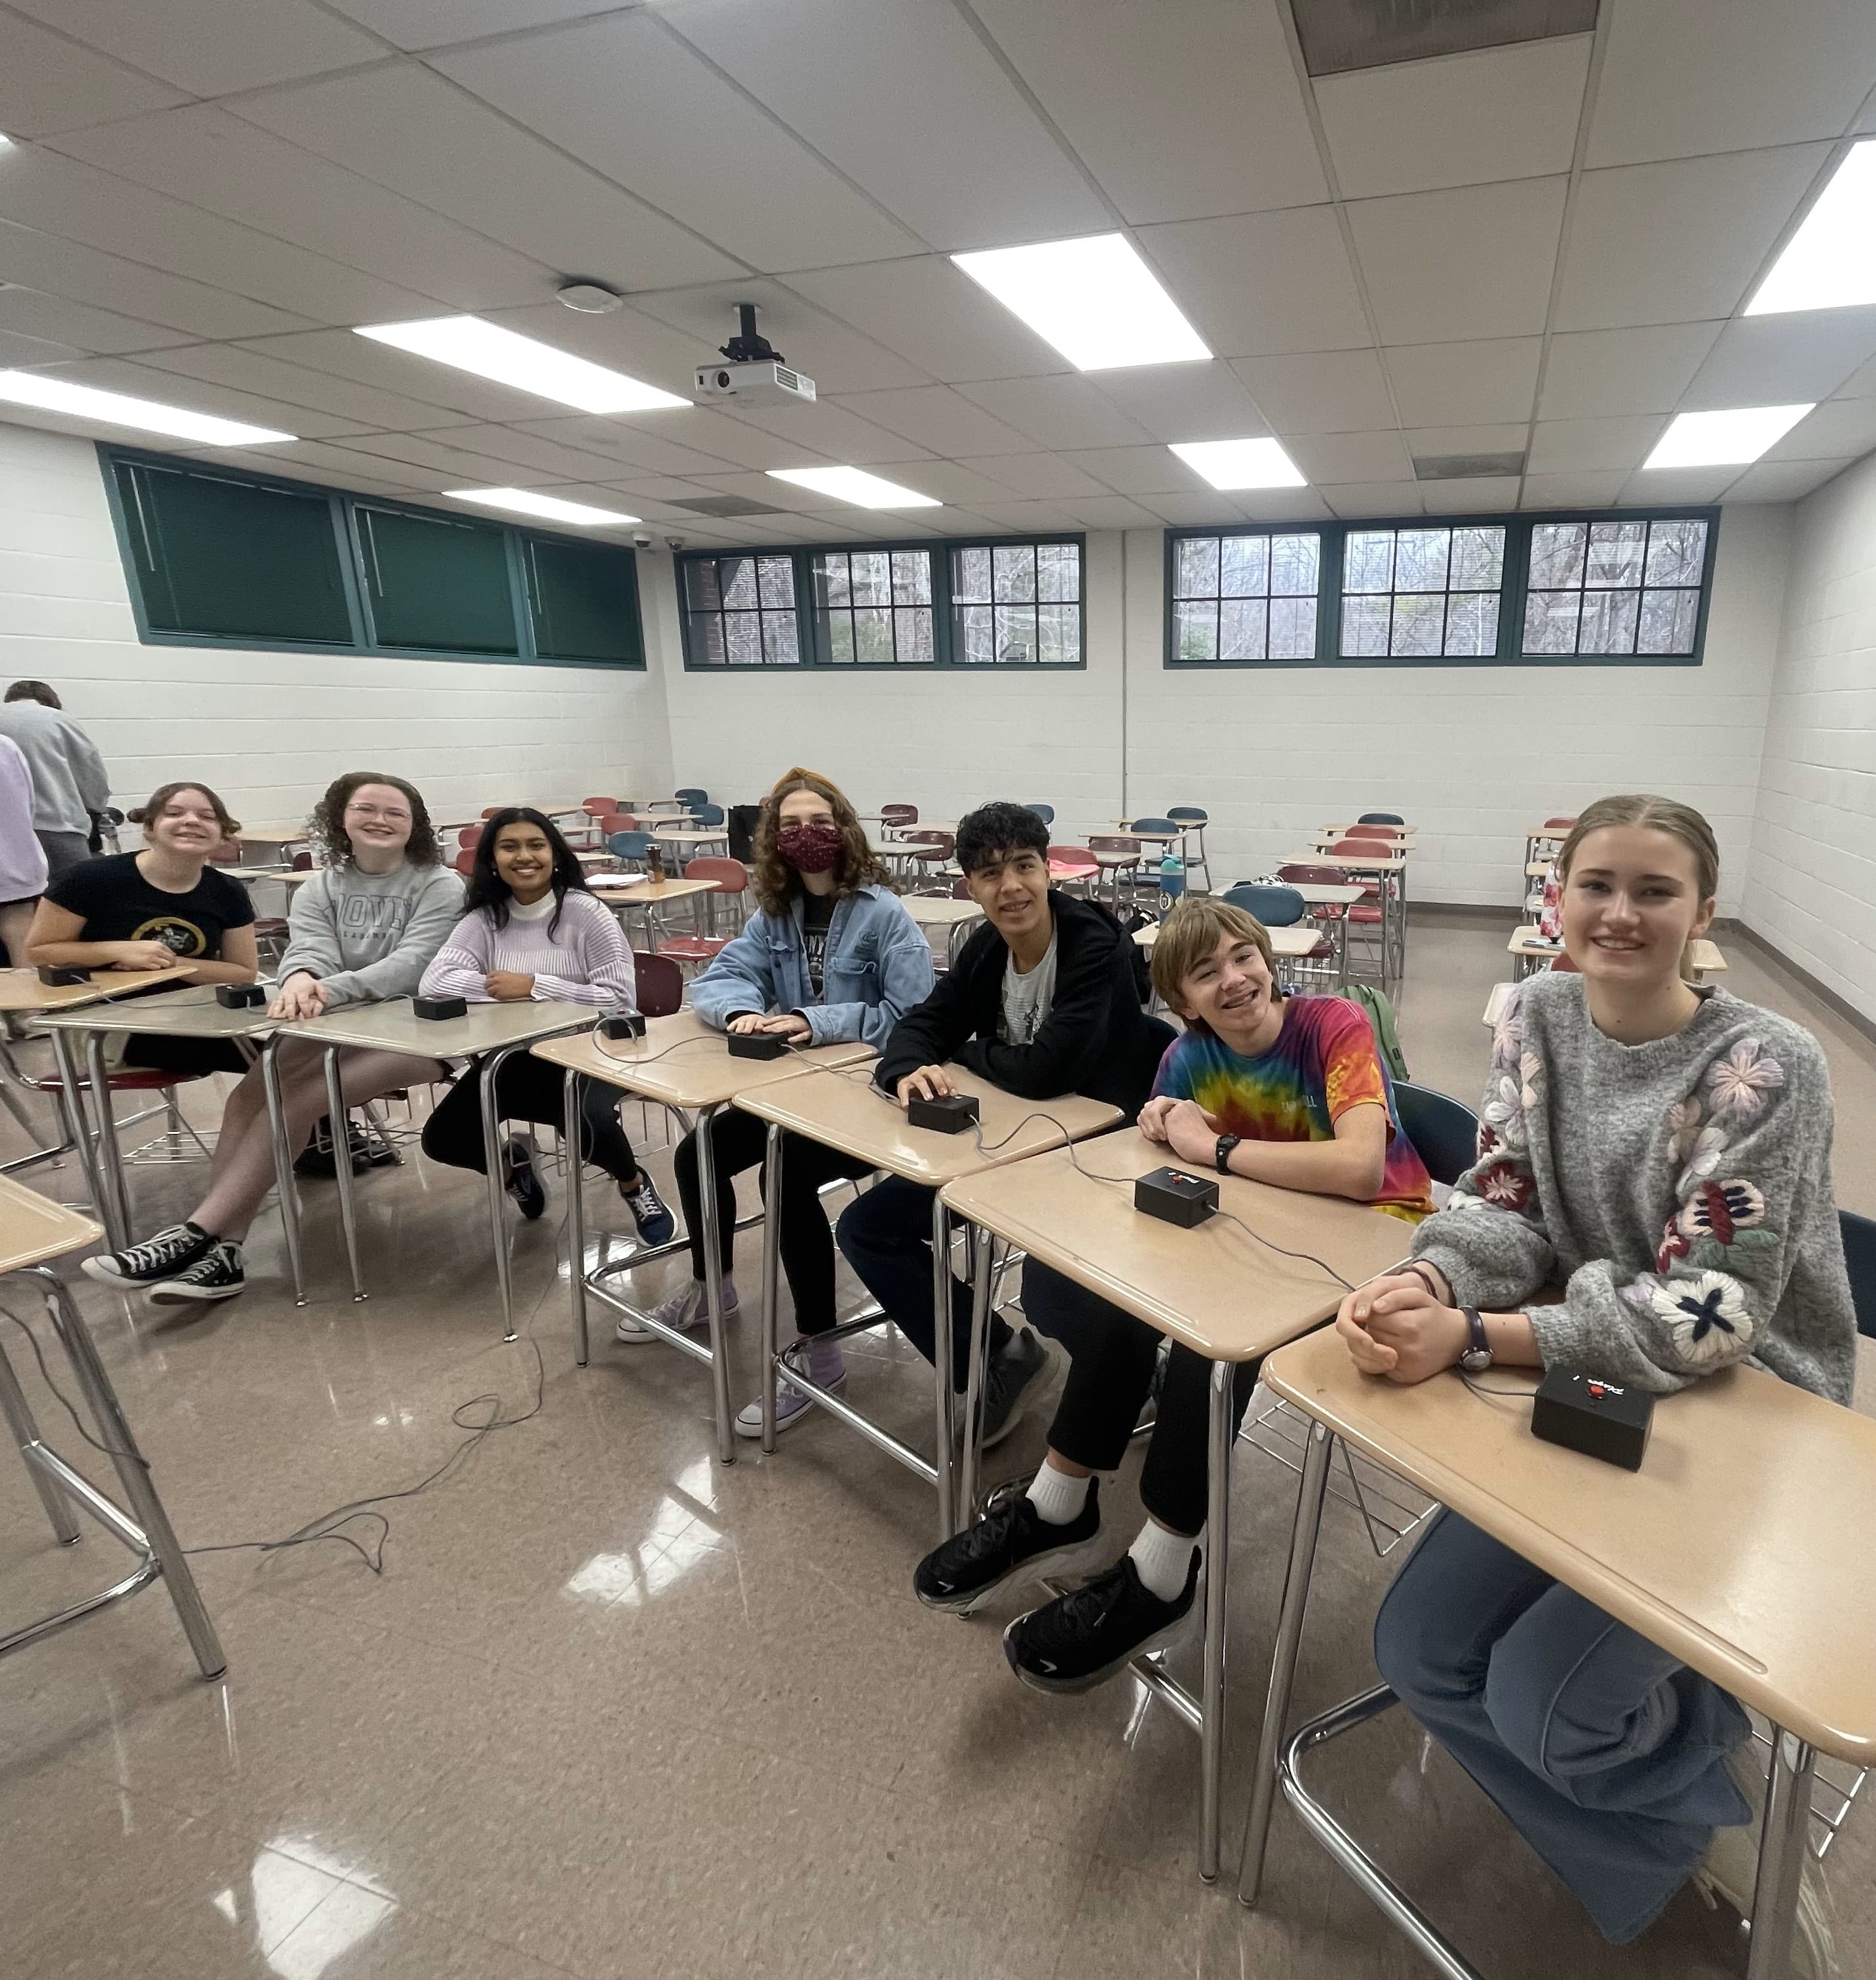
column 611, row 1710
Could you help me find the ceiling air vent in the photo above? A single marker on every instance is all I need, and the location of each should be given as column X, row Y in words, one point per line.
column 1465, row 466
column 1338, row 35
column 722, row 505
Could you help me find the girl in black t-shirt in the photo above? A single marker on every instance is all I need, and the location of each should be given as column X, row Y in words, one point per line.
column 147, row 910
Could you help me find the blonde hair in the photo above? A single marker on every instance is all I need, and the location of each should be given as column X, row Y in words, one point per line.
column 1189, row 934
column 1655, row 814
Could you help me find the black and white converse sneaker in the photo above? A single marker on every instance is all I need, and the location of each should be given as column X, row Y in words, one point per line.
column 158, row 1257
column 217, row 1274
column 523, row 1185
column 1082, row 1638
column 1012, row 1541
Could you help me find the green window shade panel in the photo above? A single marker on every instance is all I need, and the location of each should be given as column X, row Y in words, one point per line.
column 585, row 600
column 230, row 559
column 435, row 584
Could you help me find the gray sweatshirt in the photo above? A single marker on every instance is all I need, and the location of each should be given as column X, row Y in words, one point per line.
column 1679, row 1191
column 69, row 780
column 369, row 936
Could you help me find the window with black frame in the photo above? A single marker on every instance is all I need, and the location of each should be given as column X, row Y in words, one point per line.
column 873, row 608
column 1016, row 604
column 739, row 610
column 1245, row 596
column 1422, row 591
column 1626, row 585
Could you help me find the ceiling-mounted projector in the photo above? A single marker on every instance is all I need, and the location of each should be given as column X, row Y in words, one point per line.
column 751, row 367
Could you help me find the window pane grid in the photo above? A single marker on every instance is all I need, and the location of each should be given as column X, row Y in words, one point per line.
column 1016, row 604
column 1245, row 596
column 1613, row 588
column 875, row 607
column 741, row 611
column 1422, row 592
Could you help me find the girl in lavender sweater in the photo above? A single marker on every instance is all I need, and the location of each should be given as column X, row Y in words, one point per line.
column 534, row 930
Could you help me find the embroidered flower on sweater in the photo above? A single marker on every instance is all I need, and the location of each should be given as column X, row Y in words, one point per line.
column 1508, row 1033
column 1531, row 1079
column 1675, row 1243
column 1505, row 1185
column 1739, row 1082
column 1707, row 1315
column 1702, row 1159
column 1485, row 1141
column 1504, row 1113
column 1718, row 1209
column 1683, row 1128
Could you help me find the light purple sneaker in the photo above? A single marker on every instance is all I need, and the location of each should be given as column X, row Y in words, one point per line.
column 826, row 1365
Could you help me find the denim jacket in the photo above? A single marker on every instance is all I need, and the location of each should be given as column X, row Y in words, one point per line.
column 878, row 966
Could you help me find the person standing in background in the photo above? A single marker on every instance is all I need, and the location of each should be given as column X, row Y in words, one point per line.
column 22, row 859
column 70, row 783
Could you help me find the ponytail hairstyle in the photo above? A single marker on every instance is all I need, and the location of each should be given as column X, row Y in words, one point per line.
column 1655, row 814
column 486, row 888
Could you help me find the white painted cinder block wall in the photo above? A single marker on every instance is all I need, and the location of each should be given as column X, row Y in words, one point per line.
column 270, row 730
column 1811, row 891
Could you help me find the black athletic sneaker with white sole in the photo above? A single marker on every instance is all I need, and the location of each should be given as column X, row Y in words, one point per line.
column 1081, row 1639
column 1011, row 1542
column 161, row 1257
column 523, row 1184
column 217, row 1274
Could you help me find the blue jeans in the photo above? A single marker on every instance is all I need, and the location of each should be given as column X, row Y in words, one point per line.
column 1606, row 1753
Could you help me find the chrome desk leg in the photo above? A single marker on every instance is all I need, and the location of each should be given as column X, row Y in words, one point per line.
column 340, row 1124
column 18, row 1413
column 772, row 1274
column 284, row 1182
column 1218, row 1550
column 713, row 1285
column 572, row 1121
column 1783, row 1843
column 983, row 1278
column 110, row 1156
column 487, row 1073
column 1309, row 1491
column 942, row 1350
column 71, row 1104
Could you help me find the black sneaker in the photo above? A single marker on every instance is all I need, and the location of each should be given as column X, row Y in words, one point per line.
column 158, row 1257
column 1006, row 1377
column 1081, row 1639
column 523, row 1184
column 1011, row 1540
column 217, row 1274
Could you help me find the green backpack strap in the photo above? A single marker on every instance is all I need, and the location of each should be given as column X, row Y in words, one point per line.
column 1381, row 1021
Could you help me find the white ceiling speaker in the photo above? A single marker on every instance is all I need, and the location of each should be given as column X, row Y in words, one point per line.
column 589, row 298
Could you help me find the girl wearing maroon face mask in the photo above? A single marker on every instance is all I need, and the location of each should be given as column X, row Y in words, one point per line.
column 830, row 956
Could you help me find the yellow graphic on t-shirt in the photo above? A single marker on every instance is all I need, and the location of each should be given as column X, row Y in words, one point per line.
column 173, row 932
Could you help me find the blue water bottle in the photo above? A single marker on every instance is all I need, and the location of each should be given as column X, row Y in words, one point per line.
column 1172, row 880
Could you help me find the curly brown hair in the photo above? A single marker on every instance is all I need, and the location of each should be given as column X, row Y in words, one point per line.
column 776, row 883
column 327, row 823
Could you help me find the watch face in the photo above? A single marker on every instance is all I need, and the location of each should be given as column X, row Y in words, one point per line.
column 1476, row 1360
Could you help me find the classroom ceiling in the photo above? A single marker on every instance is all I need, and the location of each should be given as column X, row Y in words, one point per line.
column 1540, row 248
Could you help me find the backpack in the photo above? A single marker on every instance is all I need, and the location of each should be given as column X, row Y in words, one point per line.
column 1380, row 1015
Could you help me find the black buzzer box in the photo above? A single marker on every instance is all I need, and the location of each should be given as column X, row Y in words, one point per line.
column 1603, row 1420
column 1177, row 1196
column 950, row 1115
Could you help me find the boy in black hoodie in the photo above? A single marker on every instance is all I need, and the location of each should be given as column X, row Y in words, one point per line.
column 1043, row 1001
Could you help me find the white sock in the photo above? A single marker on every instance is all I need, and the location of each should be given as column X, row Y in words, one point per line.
column 1162, row 1560
column 1057, row 1498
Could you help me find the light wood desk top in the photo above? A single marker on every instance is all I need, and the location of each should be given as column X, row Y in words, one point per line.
column 1704, row 957
column 1536, row 869
column 1739, row 1546
column 1293, row 942
column 1316, row 894
column 853, row 1116
column 939, row 910
column 630, row 891
column 1213, row 1287
column 1406, row 832
column 275, row 834
column 1349, row 862
column 683, row 1063
column 33, row 1229
column 395, row 1026
column 1158, row 835
column 192, row 1013
column 685, row 835
column 21, row 992
column 1548, row 835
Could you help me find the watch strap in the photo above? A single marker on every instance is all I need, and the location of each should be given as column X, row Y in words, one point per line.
column 1478, row 1353
column 1221, row 1155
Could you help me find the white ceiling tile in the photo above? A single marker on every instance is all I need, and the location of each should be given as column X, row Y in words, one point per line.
column 827, row 430
column 1137, row 470
column 1113, row 512
column 1424, row 441
column 1860, row 384
column 1504, row 113
column 1675, row 243
column 66, row 268
column 1462, row 384
column 1474, row 262
column 1327, row 391
column 651, row 114
column 936, row 133
column 431, row 24
column 934, row 316
column 1186, row 401
column 48, row 83
column 1477, row 495
column 1352, row 456
column 1572, row 447
column 141, row 381
column 1284, row 505
column 1041, row 477
column 1182, row 110
column 935, row 418
column 680, row 440
column 1064, row 411
column 837, row 356
column 205, row 156
column 32, row 312
column 399, row 374
column 1201, row 508
column 1570, row 491
column 1668, row 487
column 1783, row 480
column 1731, row 75
column 1026, row 518
column 1784, row 360
column 954, row 484
column 445, row 466
column 1591, row 373
column 207, row 47
column 1838, row 428
column 250, row 369
column 1375, row 498
column 16, row 349
column 407, row 128
column 526, row 450
column 626, row 339
column 1260, row 283
column 310, row 461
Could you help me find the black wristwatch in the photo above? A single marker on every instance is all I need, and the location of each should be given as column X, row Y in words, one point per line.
column 1478, row 1355
column 1222, row 1155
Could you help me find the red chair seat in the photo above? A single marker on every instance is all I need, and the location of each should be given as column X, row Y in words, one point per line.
column 127, row 1079
column 1323, row 950
column 1367, row 916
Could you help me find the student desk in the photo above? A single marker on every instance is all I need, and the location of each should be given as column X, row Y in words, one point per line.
column 496, row 1030
column 1391, row 872
column 1531, row 953
column 690, row 839
column 1408, row 832
column 1214, row 1289
column 936, row 910
column 1759, row 1603
column 278, row 835
column 852, row 1115
column 625, row 892
column 33, row 1230
column 1290, row 943
column 682, row 1063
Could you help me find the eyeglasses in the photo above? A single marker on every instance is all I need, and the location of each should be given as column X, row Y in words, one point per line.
column 373, row 811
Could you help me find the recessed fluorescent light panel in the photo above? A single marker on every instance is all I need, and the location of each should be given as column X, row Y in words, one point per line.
column 469, row 344
column 855, row 485
column 1729, row 439
column 61, row 395
column 1095, row 300
column 1241, row 463
column 525, row 502
column 1830, row 263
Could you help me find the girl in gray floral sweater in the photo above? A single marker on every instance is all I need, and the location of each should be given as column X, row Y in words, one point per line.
column 1661, row 1154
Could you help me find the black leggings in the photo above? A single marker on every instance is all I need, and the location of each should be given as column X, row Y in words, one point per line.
column 739, row 1142
column 527, row 1088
